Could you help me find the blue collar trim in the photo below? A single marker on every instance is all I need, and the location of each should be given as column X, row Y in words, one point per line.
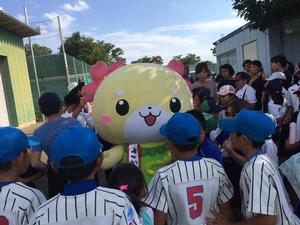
column 260, row 152
column 79, row 188
column 2, row 184
column 194, row 158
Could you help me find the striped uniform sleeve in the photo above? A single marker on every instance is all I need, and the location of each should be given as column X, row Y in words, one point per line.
column 157, row 198
column 226, row 190
column 263, row 194
column 130, row 216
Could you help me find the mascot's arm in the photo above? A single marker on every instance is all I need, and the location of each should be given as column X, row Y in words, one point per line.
column 112, row 157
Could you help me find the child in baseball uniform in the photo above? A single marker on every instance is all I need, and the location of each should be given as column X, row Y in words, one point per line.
column 18, row 202
column 77, row 156
column 262, row 192
column 188, row 189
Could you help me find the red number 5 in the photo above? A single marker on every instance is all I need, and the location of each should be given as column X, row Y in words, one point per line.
column 196, row 210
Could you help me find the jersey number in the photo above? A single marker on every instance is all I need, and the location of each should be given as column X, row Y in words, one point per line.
column 195, row 210
column 3, row 220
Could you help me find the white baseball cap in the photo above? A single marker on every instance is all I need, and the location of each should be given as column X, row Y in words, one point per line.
column 72, row 85
column 225, row 90
column 276, row 75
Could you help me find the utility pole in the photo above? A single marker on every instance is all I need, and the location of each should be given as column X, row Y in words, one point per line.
column 63, row 49
column 33, row 59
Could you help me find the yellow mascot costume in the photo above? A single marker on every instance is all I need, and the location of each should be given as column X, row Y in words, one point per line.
column 131, row 105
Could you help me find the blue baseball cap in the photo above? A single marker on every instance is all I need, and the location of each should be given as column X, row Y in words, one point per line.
column 13, row 142
column 78, row 142
column 253, row 124
column 182, row 129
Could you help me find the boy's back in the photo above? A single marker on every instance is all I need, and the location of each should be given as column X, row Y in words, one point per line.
column 99, row 206
column 263, row 191
column 18, row 203
column 188, row 190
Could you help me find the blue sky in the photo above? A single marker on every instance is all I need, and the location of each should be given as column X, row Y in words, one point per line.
column 139, row 27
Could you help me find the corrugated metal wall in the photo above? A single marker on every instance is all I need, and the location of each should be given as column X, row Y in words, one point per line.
column 16, row 79
column 244, row 37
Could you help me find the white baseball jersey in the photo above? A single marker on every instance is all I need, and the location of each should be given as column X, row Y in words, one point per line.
column 99, row 206
column 262, row 191
column 18, row 203
column 188, row 190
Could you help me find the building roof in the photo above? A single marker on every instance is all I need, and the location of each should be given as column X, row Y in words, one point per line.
column 12, row 25
column 247, row 25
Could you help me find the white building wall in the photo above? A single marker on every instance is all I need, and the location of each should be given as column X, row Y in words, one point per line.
column 246, row 36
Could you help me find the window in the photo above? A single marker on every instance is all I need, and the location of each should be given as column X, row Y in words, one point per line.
column 230, row 58
column 250, row 51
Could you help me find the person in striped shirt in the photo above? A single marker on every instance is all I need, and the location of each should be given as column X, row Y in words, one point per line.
column 262, row 192
column 187, row 190
column 77, row 155
column 18, row 202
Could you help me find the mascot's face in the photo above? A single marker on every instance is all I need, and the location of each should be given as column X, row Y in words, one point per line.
column 132, row 103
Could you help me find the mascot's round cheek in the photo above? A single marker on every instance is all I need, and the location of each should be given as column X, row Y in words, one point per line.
column 106, row 120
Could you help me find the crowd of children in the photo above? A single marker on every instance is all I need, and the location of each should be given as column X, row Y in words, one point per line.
column 225, row 169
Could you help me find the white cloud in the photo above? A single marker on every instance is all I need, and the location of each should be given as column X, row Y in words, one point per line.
column 169, row 41
column 21, row 17
column 1, row 8
column 78, row 6
column 202, row 27
column 65, row 19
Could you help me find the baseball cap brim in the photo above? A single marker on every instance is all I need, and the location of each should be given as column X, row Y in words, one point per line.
column 228, row 125
column 163, row 130
column 33, row 141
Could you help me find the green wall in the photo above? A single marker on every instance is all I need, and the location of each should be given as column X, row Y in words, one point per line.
column 16, row 79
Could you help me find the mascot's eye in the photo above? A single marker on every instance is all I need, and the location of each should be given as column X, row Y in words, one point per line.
column 122, row 107
column 175, row 105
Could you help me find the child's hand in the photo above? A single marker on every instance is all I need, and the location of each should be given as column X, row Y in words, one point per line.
column 227, row 145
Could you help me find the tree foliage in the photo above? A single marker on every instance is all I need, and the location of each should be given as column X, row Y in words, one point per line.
column 89, row 50
column 264, row 13
column 37, row 50
column 150, row 59
column 190, row 59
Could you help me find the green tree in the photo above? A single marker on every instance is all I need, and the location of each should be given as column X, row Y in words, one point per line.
column 37, row 49
column 150, row 59
column 89, row 50
column 264, row 13
column 190, row 59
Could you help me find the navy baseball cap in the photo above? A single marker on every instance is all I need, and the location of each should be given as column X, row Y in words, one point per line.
column 253, row 124
column 182, row 129
column 274, row 86
column 13, row 142
column 77, row 142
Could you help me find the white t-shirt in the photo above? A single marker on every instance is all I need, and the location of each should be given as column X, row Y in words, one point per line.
column 278, row 111
column 292, row 99
column 85, row 119
column 247, row 93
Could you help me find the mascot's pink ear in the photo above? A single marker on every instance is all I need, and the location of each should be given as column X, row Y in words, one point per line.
column 177, row 66
column 116, row 65
column 98, row 70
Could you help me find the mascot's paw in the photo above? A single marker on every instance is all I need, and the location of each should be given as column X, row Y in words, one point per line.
column 112, row 157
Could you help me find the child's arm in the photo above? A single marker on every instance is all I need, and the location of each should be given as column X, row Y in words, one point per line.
column 160, row 218
column 236, row 157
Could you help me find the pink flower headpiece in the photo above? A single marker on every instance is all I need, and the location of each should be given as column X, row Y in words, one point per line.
column 98, row 72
